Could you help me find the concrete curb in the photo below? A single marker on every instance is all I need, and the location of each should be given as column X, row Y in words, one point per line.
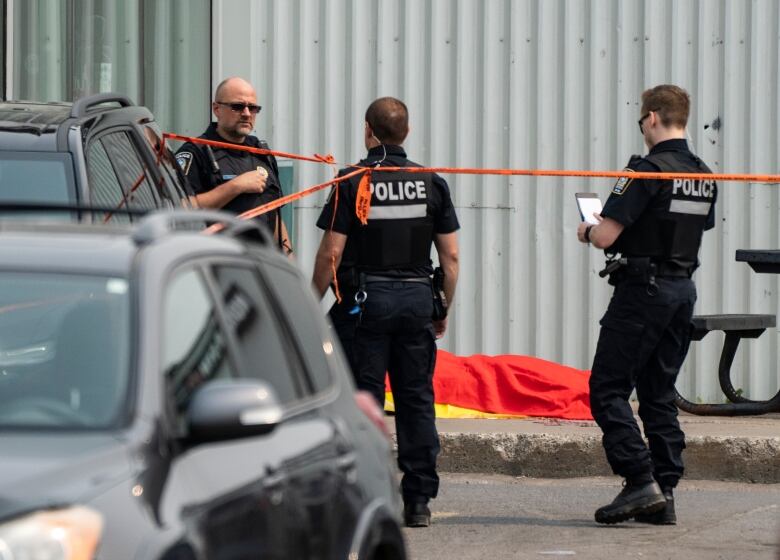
column 742, row 459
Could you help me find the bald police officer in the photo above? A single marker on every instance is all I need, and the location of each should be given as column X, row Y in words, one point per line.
column 387, row 263
column 234, row 180
column 656, row 226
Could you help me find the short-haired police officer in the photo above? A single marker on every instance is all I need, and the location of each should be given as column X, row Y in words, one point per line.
column 235, row 180
column 656, row 226
column 388, row 261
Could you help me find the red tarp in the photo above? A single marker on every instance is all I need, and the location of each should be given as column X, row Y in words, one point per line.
column 511, row 384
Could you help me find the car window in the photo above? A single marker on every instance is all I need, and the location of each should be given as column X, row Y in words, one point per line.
column 104, row 187
column 64, row 350
column 194, row 346
column 263, row 347
column 304, row 314
column 36, row 177
column 131, row 171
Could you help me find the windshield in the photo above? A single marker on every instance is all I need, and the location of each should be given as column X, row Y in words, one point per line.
column 64, row 345
column 36, row 177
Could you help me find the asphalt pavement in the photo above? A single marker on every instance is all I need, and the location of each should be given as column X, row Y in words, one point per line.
column 497, row 517
column 741, row 449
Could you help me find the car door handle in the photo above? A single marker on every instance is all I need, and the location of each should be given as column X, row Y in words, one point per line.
column 346, row 466
column 346, row 461
column 274, row 481
column 273, row 485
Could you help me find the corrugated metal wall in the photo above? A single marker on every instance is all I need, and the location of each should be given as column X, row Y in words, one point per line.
column 532, row 84
column 150, row 50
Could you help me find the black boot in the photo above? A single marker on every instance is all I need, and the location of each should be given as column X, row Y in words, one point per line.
column 666, row 516
column 635, row 498
column 417, row 514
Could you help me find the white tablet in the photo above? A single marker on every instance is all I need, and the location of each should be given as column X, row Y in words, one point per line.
column 588, row 204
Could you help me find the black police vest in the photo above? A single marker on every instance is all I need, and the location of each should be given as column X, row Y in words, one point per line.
column 399, row 232
column 671, row 228
column 231, row 164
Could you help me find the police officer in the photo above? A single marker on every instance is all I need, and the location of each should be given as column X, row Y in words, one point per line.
column 656, row 226
column 235, row 180
column 384, row 320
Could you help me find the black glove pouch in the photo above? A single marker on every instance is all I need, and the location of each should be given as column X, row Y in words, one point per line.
column 439, row 299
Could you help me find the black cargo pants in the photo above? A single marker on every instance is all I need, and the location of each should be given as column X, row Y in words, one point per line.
column 643, row 342
column 394, row 334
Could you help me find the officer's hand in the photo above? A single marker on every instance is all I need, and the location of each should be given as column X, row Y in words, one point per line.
column 251, row 181
column 439, row 327
column 581, row 231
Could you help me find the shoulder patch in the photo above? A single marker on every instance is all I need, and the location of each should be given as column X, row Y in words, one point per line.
column 184, row 159
column 622, row 184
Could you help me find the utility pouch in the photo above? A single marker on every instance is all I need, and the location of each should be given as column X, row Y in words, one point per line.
column 641, row 271
column 439, row 299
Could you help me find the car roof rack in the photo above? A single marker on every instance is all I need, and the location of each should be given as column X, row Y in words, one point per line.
column 158, row 224
column 82, row 105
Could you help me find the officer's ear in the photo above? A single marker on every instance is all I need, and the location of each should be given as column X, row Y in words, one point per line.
column 368, row 136
column 655, row 120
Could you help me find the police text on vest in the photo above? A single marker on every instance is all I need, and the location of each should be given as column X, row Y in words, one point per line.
column 693, row 187
column 399, row 190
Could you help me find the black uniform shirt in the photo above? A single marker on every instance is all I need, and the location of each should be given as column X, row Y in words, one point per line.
column 637, row 204
column 199, row 170
column 346, row 221
column 631, row 198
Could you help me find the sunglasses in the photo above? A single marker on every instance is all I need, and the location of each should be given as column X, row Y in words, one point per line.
column 239, row 107
column 641, row 129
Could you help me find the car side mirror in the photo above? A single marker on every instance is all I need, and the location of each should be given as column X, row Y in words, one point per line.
column 230, row 409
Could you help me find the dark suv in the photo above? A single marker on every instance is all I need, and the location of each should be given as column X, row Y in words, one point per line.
column 166, row 394
column 102, row 151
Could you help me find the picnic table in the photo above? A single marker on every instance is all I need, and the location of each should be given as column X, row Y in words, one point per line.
column 736, row 327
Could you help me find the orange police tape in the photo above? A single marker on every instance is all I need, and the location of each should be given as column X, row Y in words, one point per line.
column 363, row 205
column 329, row 160
column 508, row 386
column 316, row 158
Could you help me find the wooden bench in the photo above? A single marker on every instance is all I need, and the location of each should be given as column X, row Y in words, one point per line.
column 736, row 328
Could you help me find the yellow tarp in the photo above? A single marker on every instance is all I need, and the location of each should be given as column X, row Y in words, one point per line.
column 451, row 411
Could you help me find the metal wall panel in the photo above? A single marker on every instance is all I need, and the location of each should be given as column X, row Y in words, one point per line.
column 151, row 50
column 532, row 84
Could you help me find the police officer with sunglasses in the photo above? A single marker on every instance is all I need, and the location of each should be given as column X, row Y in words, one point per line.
column 656, row 226
column 235, row 180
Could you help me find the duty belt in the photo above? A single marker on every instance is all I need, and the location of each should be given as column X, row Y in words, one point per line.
column 367, row 278
column 673, row 270
column 644, row 266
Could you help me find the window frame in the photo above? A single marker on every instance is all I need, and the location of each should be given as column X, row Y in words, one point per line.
column 172, row 417
column 170, row 172
column 292, row 335
column 148, row 176
column 298, row 369
column 203, row 265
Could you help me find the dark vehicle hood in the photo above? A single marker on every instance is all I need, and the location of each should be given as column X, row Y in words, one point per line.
column 38, row 471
